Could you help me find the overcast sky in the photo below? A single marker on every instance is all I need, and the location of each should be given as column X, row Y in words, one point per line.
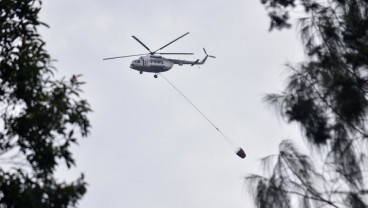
column 148, row 147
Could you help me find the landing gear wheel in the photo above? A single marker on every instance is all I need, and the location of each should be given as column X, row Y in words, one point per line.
column 155, row 76
column 140, row 72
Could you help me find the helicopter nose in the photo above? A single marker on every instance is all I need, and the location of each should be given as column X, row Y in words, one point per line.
column 132, row 66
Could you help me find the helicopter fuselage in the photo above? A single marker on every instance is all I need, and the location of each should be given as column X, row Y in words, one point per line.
column 153, row 64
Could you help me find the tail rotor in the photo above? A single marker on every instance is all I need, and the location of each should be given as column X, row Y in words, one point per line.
column 207, row 54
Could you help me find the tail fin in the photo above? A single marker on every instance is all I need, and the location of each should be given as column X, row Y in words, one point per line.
column 205, row 58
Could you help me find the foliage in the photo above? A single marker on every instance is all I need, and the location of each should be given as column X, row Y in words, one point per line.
column 40, row 115
column 327, row 96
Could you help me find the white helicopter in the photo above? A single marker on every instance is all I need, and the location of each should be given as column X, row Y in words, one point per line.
column 149, row 62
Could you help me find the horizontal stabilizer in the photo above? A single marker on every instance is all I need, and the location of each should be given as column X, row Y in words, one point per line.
column 194, row 63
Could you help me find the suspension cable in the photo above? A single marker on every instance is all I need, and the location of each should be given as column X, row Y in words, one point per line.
column 239, row 150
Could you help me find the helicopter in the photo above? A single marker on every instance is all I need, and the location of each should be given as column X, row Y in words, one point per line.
column 152, row 62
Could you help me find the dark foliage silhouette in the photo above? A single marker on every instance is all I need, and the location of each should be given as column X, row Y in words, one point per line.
column 40, row 116
column 327, row 96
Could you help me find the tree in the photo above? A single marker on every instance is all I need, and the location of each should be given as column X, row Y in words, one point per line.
column 40, row 116
column 327, row 96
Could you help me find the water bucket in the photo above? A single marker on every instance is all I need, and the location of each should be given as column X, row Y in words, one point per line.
column 240, row 152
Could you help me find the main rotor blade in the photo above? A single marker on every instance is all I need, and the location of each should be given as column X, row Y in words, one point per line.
column 142, row 44
column 116, row 57
column 175, row 53
column 171, row 42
